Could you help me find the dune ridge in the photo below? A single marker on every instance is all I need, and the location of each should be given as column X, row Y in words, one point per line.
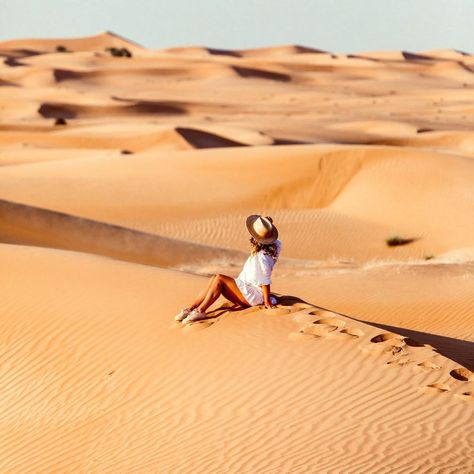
column 31, row 225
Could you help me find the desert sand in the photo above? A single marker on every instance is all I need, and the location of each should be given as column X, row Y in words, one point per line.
column 124, row 184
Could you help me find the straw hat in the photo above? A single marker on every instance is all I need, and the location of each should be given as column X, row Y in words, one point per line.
column 262, row 229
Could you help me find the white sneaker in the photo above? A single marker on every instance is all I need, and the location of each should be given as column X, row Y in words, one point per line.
column 182, row 314
column 195, row 315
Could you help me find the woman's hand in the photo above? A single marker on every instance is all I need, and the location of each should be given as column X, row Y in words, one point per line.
column 266, row 296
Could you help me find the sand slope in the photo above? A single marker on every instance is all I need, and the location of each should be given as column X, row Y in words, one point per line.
column 125, row 183
column 123, row 388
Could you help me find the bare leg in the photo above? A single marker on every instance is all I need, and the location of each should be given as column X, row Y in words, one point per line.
column 202, row 294
column 223, row 285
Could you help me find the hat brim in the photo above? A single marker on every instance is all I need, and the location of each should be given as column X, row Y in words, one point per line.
column 267, row 240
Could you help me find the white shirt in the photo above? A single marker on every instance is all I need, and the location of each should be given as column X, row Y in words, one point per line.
column 258, row 268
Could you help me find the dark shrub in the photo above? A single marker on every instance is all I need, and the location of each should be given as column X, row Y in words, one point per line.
column 119, row 52
column 396, row 240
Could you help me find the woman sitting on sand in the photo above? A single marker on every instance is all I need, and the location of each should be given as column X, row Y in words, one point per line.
column 252, row 286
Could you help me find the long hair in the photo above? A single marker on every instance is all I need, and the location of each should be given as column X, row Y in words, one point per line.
column 269, row 249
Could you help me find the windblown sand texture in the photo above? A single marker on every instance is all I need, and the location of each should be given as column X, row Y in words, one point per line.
column 124, row 184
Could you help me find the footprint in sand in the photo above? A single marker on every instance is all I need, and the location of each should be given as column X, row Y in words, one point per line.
column 301, row 306
column 427, row 365
column 198, row 325
column 323, row 327
column 405, row 350
column 386, row 342
column 386, row 336
column 413, row 343
column 278, row 311
column 354, row 333
column 400, row 361
column 462, row 374
column 468, row 396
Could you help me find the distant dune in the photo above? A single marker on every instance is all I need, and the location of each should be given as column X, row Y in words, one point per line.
column 126, row 175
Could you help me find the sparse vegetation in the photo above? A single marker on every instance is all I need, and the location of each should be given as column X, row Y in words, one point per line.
column 429, row 257
column 61, row 49
column 397, row 240
column 60, row 121
column 127, row 152
column 119, row 52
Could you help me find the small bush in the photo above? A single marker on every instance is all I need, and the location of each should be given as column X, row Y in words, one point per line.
column 60, row 121
column 397, row 240
column 119, row 52
column 429, row 257
column 61, row 49
column 126, row 152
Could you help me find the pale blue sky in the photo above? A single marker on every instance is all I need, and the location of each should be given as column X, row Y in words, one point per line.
column 344, row 26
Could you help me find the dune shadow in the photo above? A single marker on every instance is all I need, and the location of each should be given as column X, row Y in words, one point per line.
column 458, row 350
column 288, row 141
column 202, row 139
column 67, row 75
column 224, row 52
column 64, row 111
column 360, row 56
column 417, row 57
column 71, row 111
column 248, row 72
column 4, row 83
column 13, row 62
column 465, row 66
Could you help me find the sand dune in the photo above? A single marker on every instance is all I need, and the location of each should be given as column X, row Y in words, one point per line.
column 126, row 176
column 90, row 43
column 298, row 364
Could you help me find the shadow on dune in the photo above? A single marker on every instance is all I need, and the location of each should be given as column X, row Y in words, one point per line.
column 202, row 139
column 248, row 72
column 288, row 141
column 458, row 350
column 71, row 111
column 7, row 84
column 465, row 66
column 417, row 57
column 13, row 56
column 224, row 52
column 13, row 62
column 360, row 56
column 67, row 75
column 65, row 111
column 306, row 49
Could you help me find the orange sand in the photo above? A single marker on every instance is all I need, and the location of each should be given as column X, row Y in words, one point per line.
column 111, row 223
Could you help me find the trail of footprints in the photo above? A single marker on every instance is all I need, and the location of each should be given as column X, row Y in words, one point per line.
column 394, row 349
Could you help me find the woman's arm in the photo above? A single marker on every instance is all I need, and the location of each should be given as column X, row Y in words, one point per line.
column 266, row 296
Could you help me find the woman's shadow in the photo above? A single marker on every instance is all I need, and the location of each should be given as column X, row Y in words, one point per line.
column 228, row 307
